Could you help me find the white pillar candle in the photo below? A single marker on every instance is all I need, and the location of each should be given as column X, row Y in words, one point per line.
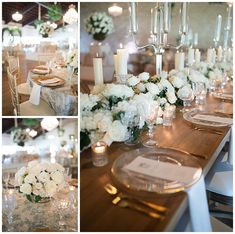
column 209, row 55
column 219, row 53
column 98, row 71
column 218, row 28
column 229, row 54
column 179, row 61
column 197, row 56
column 190, row 56
column 195, row 40
column 214, row 56
column 121, row 61
column 115, row 59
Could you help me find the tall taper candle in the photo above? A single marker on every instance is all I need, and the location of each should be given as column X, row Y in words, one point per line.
column 219, row 53
column 179, row 61
column 121, row 61
column 98, row 71
column 195, row 39
column 166, row 17
column 218, row 28
column 184, row 17
column 209, row 55
column 197, row 56
column 133, row 15
column 115, row 58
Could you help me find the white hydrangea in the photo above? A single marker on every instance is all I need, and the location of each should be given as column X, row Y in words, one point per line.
column 88, row 101
column 133, row 80
column 184, row 92
column 152, row 88
column 26, row 188
column 171, row 97
column 176, row 82
column 141, row 87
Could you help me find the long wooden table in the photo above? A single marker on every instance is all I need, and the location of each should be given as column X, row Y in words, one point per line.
column 97, row 211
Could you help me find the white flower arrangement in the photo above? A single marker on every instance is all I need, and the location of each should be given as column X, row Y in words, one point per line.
column 40, row 180
column 45, row 29
column 99, row 25
column 19, row 136
column 72, row 60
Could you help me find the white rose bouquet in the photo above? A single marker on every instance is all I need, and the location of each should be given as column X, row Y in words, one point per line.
column 45, row 29
column 40, row 180
column 72, row 60
column 99, row 25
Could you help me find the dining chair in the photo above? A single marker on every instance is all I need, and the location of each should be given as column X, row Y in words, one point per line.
column 14, row 68
column 219, row 186
column 26, row 108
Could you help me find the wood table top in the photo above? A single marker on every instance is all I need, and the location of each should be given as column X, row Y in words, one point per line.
column 97, row 211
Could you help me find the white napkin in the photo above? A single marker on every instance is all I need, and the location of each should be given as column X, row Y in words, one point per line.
column 49, row 81
column 198, row 207
column 35, row 94
column 156, row 169
column 199, row 212
column 214, row 118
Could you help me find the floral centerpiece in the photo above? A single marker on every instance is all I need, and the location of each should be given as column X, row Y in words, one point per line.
column 72, row 61
column 19, row 136
column 99, row 25
column 45, row 29
column 39, row 181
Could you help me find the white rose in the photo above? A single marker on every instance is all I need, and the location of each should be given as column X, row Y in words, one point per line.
column 159, row 120
column 26, row 188
column 50, row 188
column 163, row 101
column 43, row 177
column 141, row 87
column 105, row 123
column 184, row 92
column 30, row 179
column 176, row 82
column 57, row 177
column 33, row 163
column 171, row 97
column 132, row 81
column 152, row 88
column 144, row 76
column 163, row 75
column 37, row 186
column 116, row 132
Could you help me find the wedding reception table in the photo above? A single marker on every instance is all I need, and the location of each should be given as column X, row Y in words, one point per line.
column 27, row 216
column 97, row 211
column 62, row 99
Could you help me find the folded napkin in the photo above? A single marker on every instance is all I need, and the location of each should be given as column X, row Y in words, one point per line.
column 199, row 212
column 49, row 81
column 213, row 118
column 35, row 94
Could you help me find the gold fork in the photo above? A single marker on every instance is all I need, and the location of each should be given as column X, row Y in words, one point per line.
column 114, row 191
column 124, row 203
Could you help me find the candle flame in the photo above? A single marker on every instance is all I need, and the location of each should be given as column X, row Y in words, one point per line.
column 98, row 143
column 97, row 55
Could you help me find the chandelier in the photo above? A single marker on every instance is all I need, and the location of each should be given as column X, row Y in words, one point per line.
column 115, row 10
column 71, row 16
column 17, row 16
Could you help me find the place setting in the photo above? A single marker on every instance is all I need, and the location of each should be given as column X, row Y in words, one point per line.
column 151, row 133
column 40, row 54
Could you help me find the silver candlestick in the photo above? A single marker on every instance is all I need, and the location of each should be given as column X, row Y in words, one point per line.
column 160, row 27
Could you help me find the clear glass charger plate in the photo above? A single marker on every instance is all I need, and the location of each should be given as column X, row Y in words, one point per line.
column 190, row 117
column 139, row 182
column 223, row 96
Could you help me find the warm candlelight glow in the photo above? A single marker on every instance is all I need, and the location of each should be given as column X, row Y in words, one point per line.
column 121, row 46
column 99, row 154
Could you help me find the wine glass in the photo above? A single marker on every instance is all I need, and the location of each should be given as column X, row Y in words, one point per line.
column 199, row 91
column 150, row 118
column 187, row 98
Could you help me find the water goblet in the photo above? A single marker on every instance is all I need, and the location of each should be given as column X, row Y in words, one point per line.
column 187, row 99
column 151, row 117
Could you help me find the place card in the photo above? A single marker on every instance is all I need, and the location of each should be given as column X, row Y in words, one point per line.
column 213, row 118
column 162, row 170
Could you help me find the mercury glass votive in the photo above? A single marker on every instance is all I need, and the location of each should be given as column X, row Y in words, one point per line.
column 167, row 117
column 99, row 154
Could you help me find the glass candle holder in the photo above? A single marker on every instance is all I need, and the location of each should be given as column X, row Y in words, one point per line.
column 167, row 118
column 99, row 154
column 172, row 108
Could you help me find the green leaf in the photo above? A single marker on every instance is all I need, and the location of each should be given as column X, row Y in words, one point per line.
column 29, row 197
column 113, row 100
column 55, row 12
column 84, row 139
column 37, row 198
column 119, row 115
column 98, row 106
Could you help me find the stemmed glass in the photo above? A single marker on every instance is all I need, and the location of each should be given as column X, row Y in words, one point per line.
column 199, row 91
column 8, row 206
column 151, row 117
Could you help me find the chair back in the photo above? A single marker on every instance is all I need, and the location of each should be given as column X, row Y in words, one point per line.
column 14, row 66
column 13, row 91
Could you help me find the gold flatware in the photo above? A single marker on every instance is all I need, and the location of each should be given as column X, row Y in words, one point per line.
column 114, row 191
column 124, row 203
column 207, row 130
